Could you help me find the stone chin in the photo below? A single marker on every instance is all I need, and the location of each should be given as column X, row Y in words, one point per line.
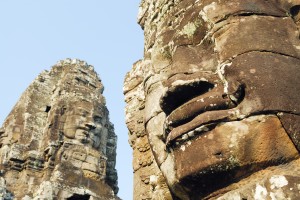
column 231, row 151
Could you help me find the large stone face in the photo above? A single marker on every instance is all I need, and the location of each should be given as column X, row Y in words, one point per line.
column 57, row 142
column 216, row 98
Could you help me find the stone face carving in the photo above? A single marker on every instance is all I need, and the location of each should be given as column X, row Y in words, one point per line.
column 216, row 99
column 57, row 142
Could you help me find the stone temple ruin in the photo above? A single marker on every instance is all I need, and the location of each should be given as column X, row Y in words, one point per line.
column 57, row 142
column 213, row 112
column 213, row 108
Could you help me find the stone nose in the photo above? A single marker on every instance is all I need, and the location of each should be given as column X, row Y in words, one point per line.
column 182, row 91
column 90, row 125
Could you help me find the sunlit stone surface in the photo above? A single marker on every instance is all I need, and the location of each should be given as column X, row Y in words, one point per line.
column 213, row 107
column 57, row 142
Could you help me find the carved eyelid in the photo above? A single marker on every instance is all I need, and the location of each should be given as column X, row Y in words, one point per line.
column 81, row 112
column 97, row 119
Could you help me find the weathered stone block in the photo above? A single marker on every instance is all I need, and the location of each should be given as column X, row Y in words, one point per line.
column 53, row 144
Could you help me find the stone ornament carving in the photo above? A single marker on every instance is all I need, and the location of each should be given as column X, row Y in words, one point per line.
column 57, row 142
column 216, row 98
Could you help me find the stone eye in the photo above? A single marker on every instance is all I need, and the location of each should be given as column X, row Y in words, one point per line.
column 84, row 114
column 97, row 119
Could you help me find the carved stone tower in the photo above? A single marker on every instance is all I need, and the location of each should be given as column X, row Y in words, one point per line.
column 57, row 142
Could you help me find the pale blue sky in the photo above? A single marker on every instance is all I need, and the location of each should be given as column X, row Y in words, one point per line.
column 34, row 35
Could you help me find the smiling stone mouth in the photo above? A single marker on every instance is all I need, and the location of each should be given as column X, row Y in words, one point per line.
column 84, row 133
column 84, row 128
column 196, row 106
column 202, row 129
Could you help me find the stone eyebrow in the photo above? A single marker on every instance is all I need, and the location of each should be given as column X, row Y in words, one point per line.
column 98, row 118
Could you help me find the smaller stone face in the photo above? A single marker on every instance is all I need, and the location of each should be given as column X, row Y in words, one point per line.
column 58, row 143
column 85, row 124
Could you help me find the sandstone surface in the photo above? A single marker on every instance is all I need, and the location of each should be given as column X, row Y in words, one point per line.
column 58, row 142
column 213, row 107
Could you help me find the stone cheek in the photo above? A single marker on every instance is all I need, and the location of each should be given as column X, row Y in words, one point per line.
column 293, row 129
column 144, row 165
column 152, row 108
column 43, row 154
column 154, row 130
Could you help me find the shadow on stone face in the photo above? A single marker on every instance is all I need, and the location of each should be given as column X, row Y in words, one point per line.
column 79, row 197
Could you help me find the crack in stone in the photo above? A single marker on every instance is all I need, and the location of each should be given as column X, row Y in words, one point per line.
column 248, row 14
column 213, row 124
column 146, row 122
column 262, row 51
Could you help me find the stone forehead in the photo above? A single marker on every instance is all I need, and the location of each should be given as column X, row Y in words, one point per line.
column 92, row 107
column 74, row 80
column 157, row 16
column 77, row 67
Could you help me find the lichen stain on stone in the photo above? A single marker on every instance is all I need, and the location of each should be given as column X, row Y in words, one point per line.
column 260, row 192
column 278, row 182
column 189, row 30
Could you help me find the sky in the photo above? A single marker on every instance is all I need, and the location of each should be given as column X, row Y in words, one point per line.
column 34, row 35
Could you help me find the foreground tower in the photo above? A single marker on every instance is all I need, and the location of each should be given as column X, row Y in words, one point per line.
column 213, row 108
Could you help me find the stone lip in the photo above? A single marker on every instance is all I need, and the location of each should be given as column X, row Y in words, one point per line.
column 197, row 113
column 213, row 160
